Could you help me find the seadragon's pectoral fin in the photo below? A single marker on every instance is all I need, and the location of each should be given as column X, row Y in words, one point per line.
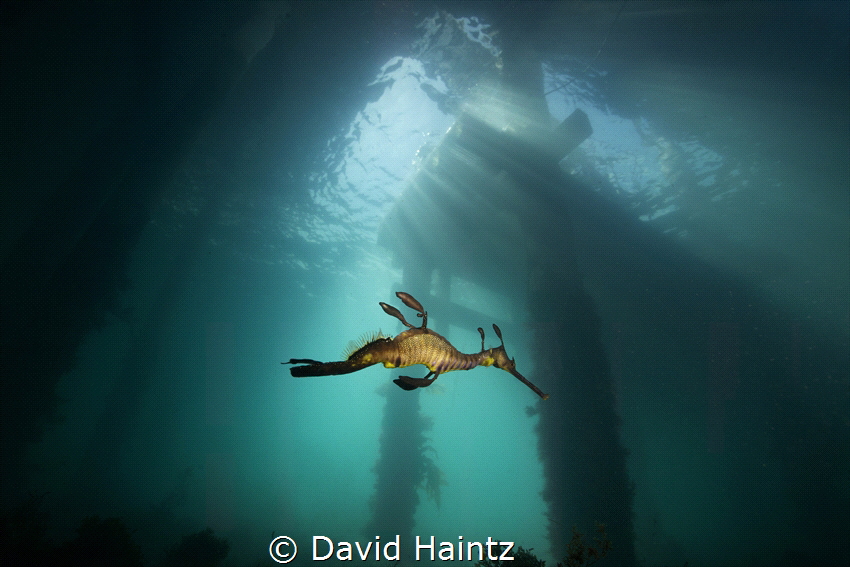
column 408, row 383
column 403, row 384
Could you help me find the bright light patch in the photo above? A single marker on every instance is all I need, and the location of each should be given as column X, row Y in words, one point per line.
column 368, row 166
column 646, row 171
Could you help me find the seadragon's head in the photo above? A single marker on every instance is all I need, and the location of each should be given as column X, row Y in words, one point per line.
column 499, row 358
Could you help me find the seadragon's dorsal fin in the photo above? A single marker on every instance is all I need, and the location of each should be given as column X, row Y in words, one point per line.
column 363, row 340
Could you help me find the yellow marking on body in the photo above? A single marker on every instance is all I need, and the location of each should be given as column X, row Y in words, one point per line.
column 488, row 361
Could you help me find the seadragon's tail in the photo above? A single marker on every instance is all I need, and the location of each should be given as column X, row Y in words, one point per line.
column 373, row 352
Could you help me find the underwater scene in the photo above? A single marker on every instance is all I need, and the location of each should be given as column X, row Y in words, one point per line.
column 425, row 283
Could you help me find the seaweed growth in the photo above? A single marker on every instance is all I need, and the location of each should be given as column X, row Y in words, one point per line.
column 105, row 541
column 579, row 553
column 400, row 466
column 406, row 468
column 522, row 558
column 99, row 541
column 432, row 477
column 23, row 529
column 200, row 548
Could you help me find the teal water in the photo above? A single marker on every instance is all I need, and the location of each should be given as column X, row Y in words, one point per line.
column 196, row 193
